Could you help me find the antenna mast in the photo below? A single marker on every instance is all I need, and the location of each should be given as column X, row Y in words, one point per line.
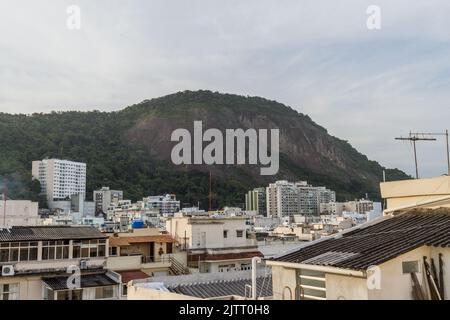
column 446, row 141
column 413, row 137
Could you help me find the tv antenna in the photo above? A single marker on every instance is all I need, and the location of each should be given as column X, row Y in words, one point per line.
column 446, row 144
column 414, row 137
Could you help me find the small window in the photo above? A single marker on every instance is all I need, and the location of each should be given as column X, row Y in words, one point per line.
column 410, row 267
column 225, row 233
column 239, row 233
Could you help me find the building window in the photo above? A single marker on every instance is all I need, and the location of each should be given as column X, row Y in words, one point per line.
column 69, row 294
column 104, row 292
column 55, row 250
column 18, row 251
column 9, row 291
column 410, row 267
column 225, row 233
column 113, row 251
column 89, row 248
column 239, row 233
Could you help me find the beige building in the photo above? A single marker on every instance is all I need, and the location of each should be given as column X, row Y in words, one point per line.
column 37, row 263
column 403, row 255
column 379, row 260
column 429, row 193
column 214, row 244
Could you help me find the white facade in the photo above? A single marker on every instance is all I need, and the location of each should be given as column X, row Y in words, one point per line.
column 288, row 199
column 104, row 198
column 60, row 179
column 18, row 213
column 166, row 204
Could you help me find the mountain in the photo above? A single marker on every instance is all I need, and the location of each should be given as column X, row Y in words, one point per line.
column 130, row 149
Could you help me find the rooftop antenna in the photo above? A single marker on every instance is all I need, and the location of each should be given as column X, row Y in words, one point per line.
column 413, row 137
column 446, row 142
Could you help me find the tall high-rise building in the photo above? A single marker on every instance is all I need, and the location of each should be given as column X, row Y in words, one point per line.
column 104, row 198
column 282, row 198
column 255, row 200
column 311, row 198
column 60, row 179
column 285, row 198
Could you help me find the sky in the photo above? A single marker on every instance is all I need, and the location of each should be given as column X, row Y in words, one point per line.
column 364, row 85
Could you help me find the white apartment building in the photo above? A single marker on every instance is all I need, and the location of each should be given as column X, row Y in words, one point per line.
column 214, row 244
column 166, row 204
column 60, row 178
column 311, row 198
column 282, row 198
column 288, row 199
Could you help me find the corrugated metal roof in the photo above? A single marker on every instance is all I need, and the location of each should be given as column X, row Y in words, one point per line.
column 49, row 233
column 221, row 288
column 86, row 281
column 377, row 243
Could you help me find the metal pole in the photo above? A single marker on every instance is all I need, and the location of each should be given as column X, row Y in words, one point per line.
column 448, row 153
column 415, row 159
column 255, row 260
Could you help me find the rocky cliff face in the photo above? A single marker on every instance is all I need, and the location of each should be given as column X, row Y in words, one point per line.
column 307, row 151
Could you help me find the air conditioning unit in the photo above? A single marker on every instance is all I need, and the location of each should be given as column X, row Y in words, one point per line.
column 7, row 270
column 83, row 264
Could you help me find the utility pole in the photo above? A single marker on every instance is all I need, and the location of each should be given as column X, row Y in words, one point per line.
column 413, row 138
column 423, row 134
column 210, row 192
column 5, row 195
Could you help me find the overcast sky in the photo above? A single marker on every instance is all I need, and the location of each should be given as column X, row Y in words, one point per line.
column 364, row 86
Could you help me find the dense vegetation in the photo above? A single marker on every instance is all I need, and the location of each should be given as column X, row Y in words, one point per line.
column 102, row 140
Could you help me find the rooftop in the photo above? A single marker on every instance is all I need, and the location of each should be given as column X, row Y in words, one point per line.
column 375, row 243
column 42, row 233
column 213, row 285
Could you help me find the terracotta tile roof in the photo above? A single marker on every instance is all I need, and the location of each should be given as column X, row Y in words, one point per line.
column 49, row 233
column 377, row 243
column 126, row 241
column 129, row 275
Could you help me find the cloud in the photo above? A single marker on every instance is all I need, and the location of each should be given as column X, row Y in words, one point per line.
column 364, row 86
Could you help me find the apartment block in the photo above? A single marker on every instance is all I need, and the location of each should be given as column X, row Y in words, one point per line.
column 104, row 198
column 255, row 200
column 60, row 179
column 166, row 204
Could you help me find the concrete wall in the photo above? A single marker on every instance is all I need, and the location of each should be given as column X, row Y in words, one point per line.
column 396, row 285
column 340, row 287
column 30, row 288
column 284, row 281
column 409, row 192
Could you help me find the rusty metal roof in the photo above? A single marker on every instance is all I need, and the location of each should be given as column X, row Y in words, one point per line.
column 377, row 243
